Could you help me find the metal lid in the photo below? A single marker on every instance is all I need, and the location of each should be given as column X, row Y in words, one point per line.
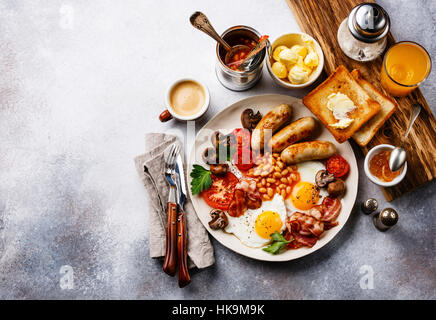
column 368, row 22
column 369, row 206
column 388, row 217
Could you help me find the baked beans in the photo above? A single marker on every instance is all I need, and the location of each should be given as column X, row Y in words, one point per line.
column 272, row 176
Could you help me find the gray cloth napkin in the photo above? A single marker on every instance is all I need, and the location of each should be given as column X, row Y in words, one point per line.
column 200, row 250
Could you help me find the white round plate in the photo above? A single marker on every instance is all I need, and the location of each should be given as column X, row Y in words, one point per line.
column 228, row 119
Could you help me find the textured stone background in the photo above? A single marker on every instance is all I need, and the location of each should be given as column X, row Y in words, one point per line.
column 81, row 82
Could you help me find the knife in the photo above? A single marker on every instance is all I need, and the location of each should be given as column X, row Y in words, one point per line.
column 182, row 252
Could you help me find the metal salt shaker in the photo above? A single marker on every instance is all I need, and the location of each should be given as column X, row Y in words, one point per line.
column 369, row 206
column 385, row 219
column 362, row 35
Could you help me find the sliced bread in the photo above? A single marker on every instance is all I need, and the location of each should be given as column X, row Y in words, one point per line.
column 364, row 135
column 341, row 81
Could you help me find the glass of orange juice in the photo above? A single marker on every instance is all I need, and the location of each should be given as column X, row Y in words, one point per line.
column 405, row 66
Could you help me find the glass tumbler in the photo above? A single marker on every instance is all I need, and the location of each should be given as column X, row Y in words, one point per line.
column 405, row 66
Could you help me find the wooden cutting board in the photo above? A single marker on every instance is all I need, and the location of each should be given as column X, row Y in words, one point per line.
column 321, row 20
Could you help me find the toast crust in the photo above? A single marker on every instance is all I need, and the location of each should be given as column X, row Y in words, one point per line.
column 341, row 81
column 364, row 135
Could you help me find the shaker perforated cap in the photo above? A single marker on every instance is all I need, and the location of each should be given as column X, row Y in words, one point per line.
column 368, row 22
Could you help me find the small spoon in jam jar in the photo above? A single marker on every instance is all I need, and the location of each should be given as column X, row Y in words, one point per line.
column 201, row 22
column 398, row 155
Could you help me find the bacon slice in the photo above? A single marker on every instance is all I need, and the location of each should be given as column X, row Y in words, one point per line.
column 332, row 208
column 293, row 244
column 293, row 234
column 316, row 212
column 308, row 241
column 308, row 224
column 254, row 200
column 329, row 225
column 245, row 196
column 293, row 226
column 306, row 228
column 248, row 185
column 238, row 205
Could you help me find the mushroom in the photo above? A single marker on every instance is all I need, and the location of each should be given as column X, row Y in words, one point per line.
column 209, row 156
column 336, row 189
column 249, row 119
column 219, row 169
column 219, row 219
column 323, row 178
column 222, row 144
column 218, row 139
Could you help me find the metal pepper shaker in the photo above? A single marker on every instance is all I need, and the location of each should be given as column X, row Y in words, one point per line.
column 369, row 206
column 385, row 219
column 362, row 35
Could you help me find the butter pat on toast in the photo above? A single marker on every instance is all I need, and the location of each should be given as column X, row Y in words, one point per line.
column 341, row 81
column 364, row 135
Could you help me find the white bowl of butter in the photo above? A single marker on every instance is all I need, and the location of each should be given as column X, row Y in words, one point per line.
column 295, row 60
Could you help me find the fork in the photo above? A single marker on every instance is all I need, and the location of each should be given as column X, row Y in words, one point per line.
column 170, row 262
column 161, row 206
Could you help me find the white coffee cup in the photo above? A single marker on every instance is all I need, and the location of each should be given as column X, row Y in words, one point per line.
column 185, row 84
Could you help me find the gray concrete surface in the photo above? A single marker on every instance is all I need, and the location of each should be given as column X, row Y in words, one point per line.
column 81, row 82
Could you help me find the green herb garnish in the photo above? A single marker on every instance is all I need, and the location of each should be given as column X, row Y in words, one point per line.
column 279, row 242
column 201, row 179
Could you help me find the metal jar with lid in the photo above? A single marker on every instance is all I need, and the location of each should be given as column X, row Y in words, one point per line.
column 239, row 80
column 362, row 35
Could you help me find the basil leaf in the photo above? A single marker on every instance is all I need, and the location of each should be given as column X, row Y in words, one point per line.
column 279, row 243
column 275, row 248
column 276, row 236
column 201, row 179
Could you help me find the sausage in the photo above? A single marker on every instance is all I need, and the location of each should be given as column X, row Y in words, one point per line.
column 272, row 121
column 306, row 151
column 296, row 131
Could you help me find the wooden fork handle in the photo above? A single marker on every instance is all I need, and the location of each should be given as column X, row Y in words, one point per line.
column 182, row 252
column 170, row 262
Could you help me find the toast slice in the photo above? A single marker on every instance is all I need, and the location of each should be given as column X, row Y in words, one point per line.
column 364, row 135
column 341, row 81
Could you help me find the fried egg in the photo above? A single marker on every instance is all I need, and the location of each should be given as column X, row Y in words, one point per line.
column 254, row 227
column 305, row 194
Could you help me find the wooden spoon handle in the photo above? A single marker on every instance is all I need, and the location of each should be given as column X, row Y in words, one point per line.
column 170, row 262
column 182, row 252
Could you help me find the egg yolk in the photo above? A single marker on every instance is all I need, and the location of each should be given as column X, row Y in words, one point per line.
column 304, row 195
column 267, row 223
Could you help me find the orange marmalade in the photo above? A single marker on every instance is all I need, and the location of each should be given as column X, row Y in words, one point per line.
column 379, row 166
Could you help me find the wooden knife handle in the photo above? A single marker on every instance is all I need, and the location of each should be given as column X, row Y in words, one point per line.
column 182, row 252
column 170, row 262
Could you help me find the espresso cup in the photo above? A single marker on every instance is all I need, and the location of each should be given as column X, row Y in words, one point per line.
column 186, row 99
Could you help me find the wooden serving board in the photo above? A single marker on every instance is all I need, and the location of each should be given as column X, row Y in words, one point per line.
column 321, row 20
